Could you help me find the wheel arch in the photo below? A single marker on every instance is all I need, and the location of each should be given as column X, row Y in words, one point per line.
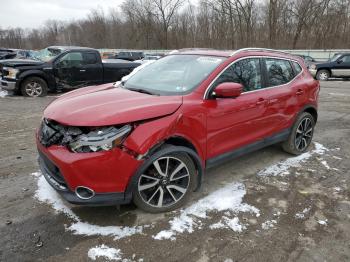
column 24, row 78
column 325, row 68
column 312, row 110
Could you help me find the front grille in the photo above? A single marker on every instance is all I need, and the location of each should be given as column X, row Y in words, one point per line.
column 52, row 170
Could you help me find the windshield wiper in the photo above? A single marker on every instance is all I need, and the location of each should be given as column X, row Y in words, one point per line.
column 142, row 91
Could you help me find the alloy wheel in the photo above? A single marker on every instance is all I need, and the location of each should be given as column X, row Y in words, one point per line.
column 304, row 133
column 323, row 76
column 33, row 89
column 165, row 182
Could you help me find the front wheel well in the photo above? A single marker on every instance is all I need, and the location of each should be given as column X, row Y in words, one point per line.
column 326, row 69
column 28, row 76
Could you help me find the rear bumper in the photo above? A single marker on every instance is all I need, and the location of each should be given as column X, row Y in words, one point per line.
column 107, row 174
column 7, row 85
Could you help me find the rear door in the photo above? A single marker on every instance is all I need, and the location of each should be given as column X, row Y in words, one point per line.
column 233, row 123
column 341, row 67
column 284, row 94
column 91, row 71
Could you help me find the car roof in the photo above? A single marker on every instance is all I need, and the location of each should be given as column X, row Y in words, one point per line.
column 67, row 48
column 241, row 52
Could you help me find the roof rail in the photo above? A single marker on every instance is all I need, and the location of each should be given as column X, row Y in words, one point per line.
column 258, row 49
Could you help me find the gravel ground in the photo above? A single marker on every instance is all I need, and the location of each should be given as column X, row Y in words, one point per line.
column 297, row 210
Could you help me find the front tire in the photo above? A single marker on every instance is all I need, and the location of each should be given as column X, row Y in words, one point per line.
column 301, row 135
column 166, row 183
column 34, row 87
column 323, row 75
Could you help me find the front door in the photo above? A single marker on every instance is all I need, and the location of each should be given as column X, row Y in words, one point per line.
column 236, row 122
column 67, row 70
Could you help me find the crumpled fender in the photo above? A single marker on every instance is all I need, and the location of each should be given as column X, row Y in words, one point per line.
column 151, row 133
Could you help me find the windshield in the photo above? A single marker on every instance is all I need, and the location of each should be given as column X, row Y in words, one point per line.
column 174, row 74
column 47, row 54
column 335, row 57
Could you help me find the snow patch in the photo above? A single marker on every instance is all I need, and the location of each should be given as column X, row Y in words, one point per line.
column 282, row 167
column 301, row 215
column 231, row 223
column 325, row 164
column 46, row 194
column 268, row 224
column 3, row 93
column 228, row 198
column 323, row 222
column 104, row 251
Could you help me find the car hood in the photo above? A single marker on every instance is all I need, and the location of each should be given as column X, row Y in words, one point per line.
column 20, row 62
column 108, row 105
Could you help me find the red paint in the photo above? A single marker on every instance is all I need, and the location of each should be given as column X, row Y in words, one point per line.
column 212, row 126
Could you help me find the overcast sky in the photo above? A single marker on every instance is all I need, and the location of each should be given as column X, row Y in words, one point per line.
column 33, row 13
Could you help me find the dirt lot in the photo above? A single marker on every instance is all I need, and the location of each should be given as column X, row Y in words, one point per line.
column 265, row 206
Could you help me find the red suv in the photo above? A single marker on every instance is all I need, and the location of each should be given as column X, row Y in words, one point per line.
column 150, row 138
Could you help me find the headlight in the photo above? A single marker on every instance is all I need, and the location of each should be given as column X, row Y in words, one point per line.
column 12, row 72
column 312, row 66
column 101, row 139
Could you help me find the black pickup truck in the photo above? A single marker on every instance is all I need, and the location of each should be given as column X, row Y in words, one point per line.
column 338, row 67
column 60, row 67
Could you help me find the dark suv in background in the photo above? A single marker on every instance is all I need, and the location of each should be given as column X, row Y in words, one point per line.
column 337, row 67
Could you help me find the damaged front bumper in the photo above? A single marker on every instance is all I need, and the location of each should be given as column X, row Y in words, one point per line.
column 106, row 173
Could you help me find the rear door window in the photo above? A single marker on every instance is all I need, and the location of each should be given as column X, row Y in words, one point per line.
column 89, row 58
column 279, row 71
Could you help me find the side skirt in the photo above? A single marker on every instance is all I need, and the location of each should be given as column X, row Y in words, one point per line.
column 280, row 137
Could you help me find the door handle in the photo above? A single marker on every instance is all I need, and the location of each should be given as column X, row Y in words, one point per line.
column 260, row 101
column 299, row 92
column 82, row 70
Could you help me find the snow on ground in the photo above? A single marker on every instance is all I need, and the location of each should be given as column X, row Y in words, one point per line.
column 228, row 198
column 325, row 164
column 46, row 194
column 281, row 168
column 3, row 93
column 323, row 222
column 301, row 215
column 104, row 251
column 268, row 224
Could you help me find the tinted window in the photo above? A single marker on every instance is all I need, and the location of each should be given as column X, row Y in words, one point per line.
column 245, row 72
column 297, row 68
column 89, row 58
column 71, row 60
column 346, row 59
column 279, row 71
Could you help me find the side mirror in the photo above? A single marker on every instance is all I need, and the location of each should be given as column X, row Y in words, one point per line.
column 339, row 61
column 228, row 90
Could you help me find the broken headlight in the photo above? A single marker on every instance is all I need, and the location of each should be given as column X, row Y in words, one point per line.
column 101, row 139
column 12, row 72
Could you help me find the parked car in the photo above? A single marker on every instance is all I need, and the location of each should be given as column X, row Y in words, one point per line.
column 337, row 67
column 7, row 53
column 308, row 60
column 130, row 56
column 150, row 138
column 58, row 68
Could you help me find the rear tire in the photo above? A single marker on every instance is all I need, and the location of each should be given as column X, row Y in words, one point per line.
column 34, row 87
column 300, row 137
column 323, row 75
column 166, row 183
